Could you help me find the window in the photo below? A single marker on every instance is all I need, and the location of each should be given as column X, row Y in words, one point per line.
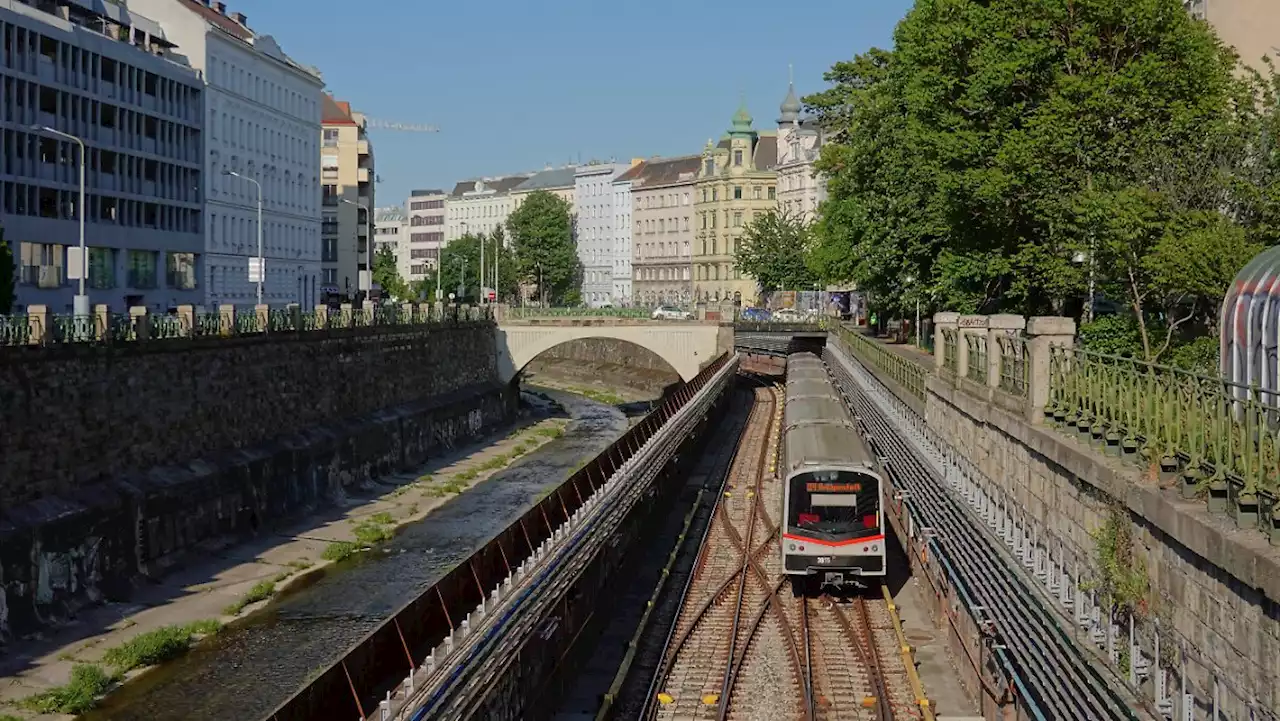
column 773, row 194
column 329, row 167
column 737, row 158
column 755, row 192
column 102, row 268
column 330, row 137
column 142, row 269
column 709, row 167
column 329, row 276
column 180, row 270
column 42, row 264
column 737, row 192
column 329, row 250
column 329, row 224
column 737, row 219
column 330, row 195
column 715, row 194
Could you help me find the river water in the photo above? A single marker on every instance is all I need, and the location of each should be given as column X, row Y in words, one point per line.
column 245, row 671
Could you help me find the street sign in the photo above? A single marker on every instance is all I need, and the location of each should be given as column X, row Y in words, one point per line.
column 364, row 280
column 492, row 295
column 76, row 263
column 256, row 273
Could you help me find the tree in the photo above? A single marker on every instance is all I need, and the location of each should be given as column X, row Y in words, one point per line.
column 542, row 237
column 460, row 261
column 773, row 250
column 1001, row 141
column 7, row 273
column 387, row 275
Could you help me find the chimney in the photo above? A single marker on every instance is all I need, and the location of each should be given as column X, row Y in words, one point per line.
column 240, row 18
column 221, row 8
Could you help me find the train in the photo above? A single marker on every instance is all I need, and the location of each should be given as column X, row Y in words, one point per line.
column 833, row 493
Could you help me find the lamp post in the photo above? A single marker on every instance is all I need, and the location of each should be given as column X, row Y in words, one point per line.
column 366, row 280
column 262, row 266
column 80, row 304
column 911, row 279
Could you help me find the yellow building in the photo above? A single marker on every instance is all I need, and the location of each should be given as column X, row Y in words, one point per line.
column 736, row 182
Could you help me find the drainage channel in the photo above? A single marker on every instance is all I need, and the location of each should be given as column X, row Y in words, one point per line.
column 1024, row 646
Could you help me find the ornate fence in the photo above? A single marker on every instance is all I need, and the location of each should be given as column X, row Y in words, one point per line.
column 40, row 328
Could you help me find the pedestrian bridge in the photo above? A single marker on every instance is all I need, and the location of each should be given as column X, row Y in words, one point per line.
column 686, row 346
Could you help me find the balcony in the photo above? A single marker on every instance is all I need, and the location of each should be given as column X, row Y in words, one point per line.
column 363, row 175
column 362, row 147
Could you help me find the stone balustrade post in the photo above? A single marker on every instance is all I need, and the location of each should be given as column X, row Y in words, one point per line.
column 101, row 320
column 39, row 324
column 322, row 316
column 140, row 322
column 1001, row 327
column 971, row 326
column 295, row 316
column 1043, row 334
column 406, row 312
column 262, row 317
column 425, row 313
column 944, row 321
column 346, row 318
column 367, row 308
column 187, row 320
column 439, row 311
column 226, row 319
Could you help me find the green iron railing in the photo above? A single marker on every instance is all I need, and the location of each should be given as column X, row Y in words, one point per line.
column 905, row 372
column 950, row 354
column 1013, row 364
column 1220, row 432
column 976, row 348
column 524, row 313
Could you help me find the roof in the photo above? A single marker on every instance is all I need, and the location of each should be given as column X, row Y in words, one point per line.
column 427, row 191
column 389, row 214
column 497, row 185
column 766, row 152
column 663, row 171
column 218, row 19
column 553, row 178
column 335, row 112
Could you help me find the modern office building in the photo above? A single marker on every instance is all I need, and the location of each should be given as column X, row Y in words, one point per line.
column 800, row 187
column 426, row 231
column 262, row 123
column 735, row 184
column 479, row 205
column 346, row 199
column 662, row 229
column 597, row 207
column 99, row 76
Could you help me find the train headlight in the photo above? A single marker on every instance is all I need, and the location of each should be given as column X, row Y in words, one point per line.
column 793, row 547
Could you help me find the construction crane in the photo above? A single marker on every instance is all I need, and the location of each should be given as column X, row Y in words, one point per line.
column 375, row 124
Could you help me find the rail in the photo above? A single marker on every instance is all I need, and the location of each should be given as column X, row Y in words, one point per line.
column 903, row 371
column 1050, row 675
column 908, row 659
column 47, row 329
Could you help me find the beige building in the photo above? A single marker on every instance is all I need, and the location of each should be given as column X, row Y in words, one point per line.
column 662, row 231
column 557, row 181
column 346, row 179
column 736, row 182
column 1252, row 27
column 426, row 221
column 478, row 206
column 800, row 188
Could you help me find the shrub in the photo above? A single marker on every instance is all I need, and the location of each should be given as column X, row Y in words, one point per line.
column 79, row 695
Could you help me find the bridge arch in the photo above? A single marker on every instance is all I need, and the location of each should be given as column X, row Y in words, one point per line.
column 684, row 347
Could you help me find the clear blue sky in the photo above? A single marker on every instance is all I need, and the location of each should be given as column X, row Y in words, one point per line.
column 517, row 84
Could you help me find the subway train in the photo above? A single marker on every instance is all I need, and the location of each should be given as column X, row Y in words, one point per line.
column 832, row 534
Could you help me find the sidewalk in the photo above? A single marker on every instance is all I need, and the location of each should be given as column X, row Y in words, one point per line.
column 231, row 582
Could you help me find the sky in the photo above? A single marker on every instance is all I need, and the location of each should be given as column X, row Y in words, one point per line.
column 515, row 85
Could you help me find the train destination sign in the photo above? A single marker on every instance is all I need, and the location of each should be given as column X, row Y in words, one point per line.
column 833, row 487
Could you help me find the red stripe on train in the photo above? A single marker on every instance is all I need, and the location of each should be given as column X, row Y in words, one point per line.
column 833, row 544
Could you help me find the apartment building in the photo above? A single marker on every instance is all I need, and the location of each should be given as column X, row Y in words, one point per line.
column 736, row 183
column 99, row 76
column 662, row 229
column 262, row 131
column 597, row 207
column 391, row 231
column 801, row 189
column 557, row 181
column 1252, row 27
column 427, row 209
column 346, row 200
column 480, row 205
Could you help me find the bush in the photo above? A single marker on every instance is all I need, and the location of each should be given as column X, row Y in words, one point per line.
column 339, row 551
column 383, row 518
column 158, row 646
column 261, row 591
column 371, row 534
column 80, row 695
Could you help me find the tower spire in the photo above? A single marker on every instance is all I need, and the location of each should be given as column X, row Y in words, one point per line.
column 789, row 111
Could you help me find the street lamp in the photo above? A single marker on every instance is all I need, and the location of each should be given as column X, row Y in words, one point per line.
column 463, row 283
column 262, row 266
column 910, row 280
column 366, row 280
column 80, row 305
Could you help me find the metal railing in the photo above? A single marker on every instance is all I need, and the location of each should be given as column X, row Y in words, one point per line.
column 903, row 371
column 976, row 348
column 1220, row 432
column 950, row 354
column 100, row 328
column 1013, row 364
column 518, row 313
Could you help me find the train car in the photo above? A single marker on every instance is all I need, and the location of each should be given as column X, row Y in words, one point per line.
column 832, row 533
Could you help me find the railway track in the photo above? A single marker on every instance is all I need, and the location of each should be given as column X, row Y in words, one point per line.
column 744, row 647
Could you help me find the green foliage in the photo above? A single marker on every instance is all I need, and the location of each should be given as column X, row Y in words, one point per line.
column 80, row 695
column 261, row 591
column 542, row 235
column 372, row 533
column 157, row 646
column 1003, row 150
column 387, row 275
column 8, row 276
column 774, row 249
column 1121, row 583
column 339, row 551
column 460, row 261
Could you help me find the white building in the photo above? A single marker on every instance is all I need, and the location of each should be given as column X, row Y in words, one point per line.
column 391, row 231
column 142, row 166
column 427, row 209
column 478, row 206
column 595, row 231
column 800, row 187
column 262, row 120
column 621, row 238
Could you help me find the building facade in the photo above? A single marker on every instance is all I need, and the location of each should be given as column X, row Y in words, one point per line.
column 262, row 121
column 597, row 205
column 557, row 181
column 1252, row 27
column 480, row 205
column 662, row 233
column 391, row 231
column 140, row 116
column 801, row 189
column 426, row 232
column 736, row 183
column 347, row 196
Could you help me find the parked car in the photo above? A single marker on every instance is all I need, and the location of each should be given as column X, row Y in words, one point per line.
column 668, row 312
column 755, row 315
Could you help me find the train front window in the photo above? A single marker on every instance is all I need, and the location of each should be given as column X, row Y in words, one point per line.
column 834, row 504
